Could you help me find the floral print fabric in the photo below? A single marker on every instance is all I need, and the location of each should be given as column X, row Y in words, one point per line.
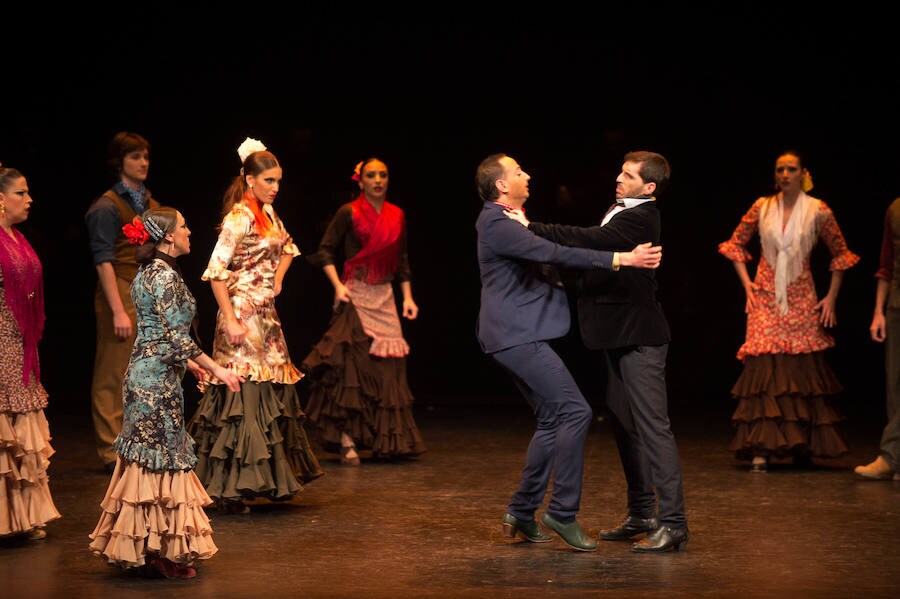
column 247, row 262
column 153, row 433
column 799, row 330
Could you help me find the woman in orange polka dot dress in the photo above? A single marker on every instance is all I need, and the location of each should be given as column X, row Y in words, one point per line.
column 786, row 389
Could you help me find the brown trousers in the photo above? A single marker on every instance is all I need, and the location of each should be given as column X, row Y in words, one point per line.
column 110, row 362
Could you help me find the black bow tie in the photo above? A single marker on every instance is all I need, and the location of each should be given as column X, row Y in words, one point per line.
column 620, row 203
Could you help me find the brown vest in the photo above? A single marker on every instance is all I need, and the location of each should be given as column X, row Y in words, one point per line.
column 124, row 263
column 894, row 218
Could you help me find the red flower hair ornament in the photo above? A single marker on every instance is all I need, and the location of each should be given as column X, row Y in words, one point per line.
column 356, row 172
column 135, row 231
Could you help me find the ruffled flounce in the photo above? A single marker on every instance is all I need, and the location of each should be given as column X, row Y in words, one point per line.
column 768, row 345
column 158, row 458
column 18, row 398
column 283, row 374
column 785, row 407
column 353, row 392
column 153, row 513
column 734, row 251
column 216, row 273
column 25, row 500
column 396, row 433
column 843, row 261
column 252, row 443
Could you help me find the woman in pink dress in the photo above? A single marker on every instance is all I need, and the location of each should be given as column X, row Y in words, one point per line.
column 25, row 502
column 786, row 389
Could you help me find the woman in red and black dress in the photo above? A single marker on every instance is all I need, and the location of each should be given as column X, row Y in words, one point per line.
column 358, row 391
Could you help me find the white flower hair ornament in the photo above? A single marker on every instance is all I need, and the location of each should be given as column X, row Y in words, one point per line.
column 249, row 146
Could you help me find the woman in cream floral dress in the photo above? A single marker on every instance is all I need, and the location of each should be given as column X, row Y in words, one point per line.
column 786, row 389
column 252, row 443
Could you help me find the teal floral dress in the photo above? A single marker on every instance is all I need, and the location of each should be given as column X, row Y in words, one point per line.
column 153, row 505
column 153, row 433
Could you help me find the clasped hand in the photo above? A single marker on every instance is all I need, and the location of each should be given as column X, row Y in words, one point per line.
column 644, row 255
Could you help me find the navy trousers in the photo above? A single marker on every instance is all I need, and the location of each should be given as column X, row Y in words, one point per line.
column 557, row 446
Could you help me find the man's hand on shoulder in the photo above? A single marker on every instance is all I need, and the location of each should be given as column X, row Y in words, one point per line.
column 518, row 216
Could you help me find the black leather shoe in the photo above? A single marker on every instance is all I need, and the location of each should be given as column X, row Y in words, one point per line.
column 572, row 533
column 628, row 528
column 530, row 531
column 662, row 539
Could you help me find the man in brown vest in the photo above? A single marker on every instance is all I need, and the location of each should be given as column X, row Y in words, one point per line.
column 885, row 328
column 129, row 160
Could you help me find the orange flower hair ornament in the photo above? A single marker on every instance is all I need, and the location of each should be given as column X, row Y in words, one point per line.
column 807, row 183
column 356, row 173
column 135, row 231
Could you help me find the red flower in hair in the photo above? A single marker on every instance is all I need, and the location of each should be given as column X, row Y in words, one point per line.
column 135, row 231
column 356, row 173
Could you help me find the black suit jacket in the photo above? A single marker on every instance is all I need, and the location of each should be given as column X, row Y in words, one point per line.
column 616, row 308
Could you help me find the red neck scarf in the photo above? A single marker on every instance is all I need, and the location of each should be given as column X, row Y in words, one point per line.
column 509, row 207
column 379, row 233
column 262, row 220
column 24, row 284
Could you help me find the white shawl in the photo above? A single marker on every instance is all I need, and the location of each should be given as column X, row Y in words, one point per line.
column 786, row 247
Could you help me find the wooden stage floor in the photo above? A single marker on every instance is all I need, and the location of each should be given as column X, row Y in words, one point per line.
column 430, row 526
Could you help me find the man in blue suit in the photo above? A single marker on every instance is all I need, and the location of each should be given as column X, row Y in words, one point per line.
column 523, row 305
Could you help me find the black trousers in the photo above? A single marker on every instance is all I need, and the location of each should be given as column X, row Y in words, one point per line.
column 636, row 396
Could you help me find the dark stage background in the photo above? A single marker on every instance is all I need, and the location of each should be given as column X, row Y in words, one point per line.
column 566, row 94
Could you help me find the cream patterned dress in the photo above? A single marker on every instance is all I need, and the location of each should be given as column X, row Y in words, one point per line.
column 252, row 443
column 247, row 261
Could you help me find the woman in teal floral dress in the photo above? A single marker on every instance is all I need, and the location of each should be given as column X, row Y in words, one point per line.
column 153, row 517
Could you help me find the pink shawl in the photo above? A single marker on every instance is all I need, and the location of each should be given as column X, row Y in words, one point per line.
column 24, row 284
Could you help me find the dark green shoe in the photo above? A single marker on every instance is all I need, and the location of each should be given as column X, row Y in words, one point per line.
column 572, row 533
column 530, row 531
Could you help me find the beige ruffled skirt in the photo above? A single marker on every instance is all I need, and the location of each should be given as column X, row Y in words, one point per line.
column 25, row 501
column 148, row 513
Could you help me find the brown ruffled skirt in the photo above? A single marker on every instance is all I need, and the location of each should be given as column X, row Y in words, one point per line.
column 785, row 407
column 252, row 443
column 147, row 513
column 353, row 392
column 25, row 501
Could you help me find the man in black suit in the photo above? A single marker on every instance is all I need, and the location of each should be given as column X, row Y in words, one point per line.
column 619, row 314
column 522, row 308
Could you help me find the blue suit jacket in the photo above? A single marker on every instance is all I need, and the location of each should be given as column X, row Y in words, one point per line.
column 519, row 302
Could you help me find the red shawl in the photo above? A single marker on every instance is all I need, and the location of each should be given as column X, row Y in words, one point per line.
column 379, row 234
column 24, row 284
column 263, row 222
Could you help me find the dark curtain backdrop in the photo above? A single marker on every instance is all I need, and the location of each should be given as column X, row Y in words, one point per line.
column 566, row 94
